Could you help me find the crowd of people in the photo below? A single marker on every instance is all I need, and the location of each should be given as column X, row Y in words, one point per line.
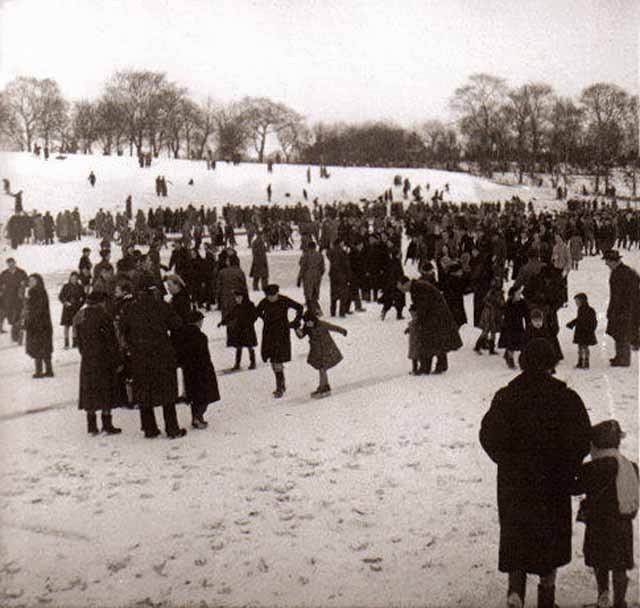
column 137, row 321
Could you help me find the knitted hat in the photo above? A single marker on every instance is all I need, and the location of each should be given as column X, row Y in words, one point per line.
column 607, row 434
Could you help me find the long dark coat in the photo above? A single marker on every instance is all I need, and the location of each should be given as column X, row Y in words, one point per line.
column 585, row 326
column 481, row 276
column 200, row 382
column 537, row 431
column 437, row 329
column 230, row 280
column 72, row 298
column 37, row 323
column 608, row 538
column 512, row 331
column 99, row 349
column 454, row 297
column 259, row 264
column 623, row 313
column 145, row 325
column 240, row 325
column 11, row 290
column 276, row 337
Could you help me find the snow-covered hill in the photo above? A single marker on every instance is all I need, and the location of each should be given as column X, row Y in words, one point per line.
column 379, row 495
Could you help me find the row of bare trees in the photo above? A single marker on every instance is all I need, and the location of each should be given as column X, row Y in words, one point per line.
column 493, row 124
column 535, row 128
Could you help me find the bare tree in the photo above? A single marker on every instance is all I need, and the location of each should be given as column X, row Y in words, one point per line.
column 293, row 138
column 565, row 132
column 264, row 118
column 539, row 100
column 22, row 97
column 53, row 111
column 232, row 133
column 478, row 106
column 205, row 126
column 605, row 107
column 85, row 124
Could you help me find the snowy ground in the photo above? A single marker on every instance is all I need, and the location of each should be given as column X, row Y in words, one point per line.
column 62, row 184
column 377, row 496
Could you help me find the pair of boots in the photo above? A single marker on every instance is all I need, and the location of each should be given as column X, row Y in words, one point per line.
column 74, row 343
column 546, row 598
column 324, row 390
column 620, row 584
column 583, row 361
column 484, row 342
column 48, row 369
column 107, row 424
column 252, row 359
column 150, row 426
column 280, row 385
column 423, row 366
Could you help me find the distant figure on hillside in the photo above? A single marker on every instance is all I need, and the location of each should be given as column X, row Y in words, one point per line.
column 270, row 166
column 46, row 152
column 269, row 193
column 6, row 185
column 129, row 207
column 92, row 179
column 304, row 194
column 308, row 175
column 191, row 182
column 17, row 208
column 158, row 186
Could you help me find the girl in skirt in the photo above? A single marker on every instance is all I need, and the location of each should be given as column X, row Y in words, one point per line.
column 323, row 352
column 585, row 329
column 513, row 326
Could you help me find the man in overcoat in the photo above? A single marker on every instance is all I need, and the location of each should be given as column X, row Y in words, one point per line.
column 623, row 313
column 537, row 431
column 310, row 275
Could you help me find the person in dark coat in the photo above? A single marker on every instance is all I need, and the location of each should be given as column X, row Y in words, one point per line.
column 454, row 292
column 200, row 382
column 323, row 352
column 13, row 283
column 391, row 295
column 339, row 278
column 259, row 264
column 539, row 325
column 537, row 431
column 437, row 329
column 241, row 332
column 623, row 313
column 310, row 275
column 481, row 277
column 610, row 482
column 100, row 363
column 230, row 280
column 273, row 309
column 585, row 329
column 512, row 331
column 145, row 326
column 38, row 327
column 72, row 296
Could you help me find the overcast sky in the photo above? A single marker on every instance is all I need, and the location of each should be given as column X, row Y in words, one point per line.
column 328, row 59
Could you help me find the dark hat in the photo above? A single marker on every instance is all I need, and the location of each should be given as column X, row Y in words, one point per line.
column 612, row 255
column 86, row 250
column 607, row 434
column 538, row 356
column 96, row 297
column 272, row 289
column 193, row 316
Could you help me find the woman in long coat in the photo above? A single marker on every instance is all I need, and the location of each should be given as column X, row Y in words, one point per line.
column 437, row 329
column 276, row 338
column 145, row 326
column 200, row 382
column 72, row 296
column 99, row 349
column 241, row 332
column 537, row 431
column 259, row 264
column 230, row 279
column 38, row 326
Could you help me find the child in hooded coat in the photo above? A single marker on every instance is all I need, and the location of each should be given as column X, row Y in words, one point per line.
column 585, row 329
column 323, row 352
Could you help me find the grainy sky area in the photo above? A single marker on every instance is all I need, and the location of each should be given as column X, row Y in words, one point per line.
column 329, row 59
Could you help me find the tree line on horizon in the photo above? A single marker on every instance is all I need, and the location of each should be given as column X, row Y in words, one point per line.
column 494, row 126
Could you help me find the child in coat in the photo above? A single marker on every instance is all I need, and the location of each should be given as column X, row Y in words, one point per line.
column 240, row 328
column 585, row 329
column 414, row 344
column 200, row 382
column 72, row 296
column 491, row 318
column 323, row 352
column 539, row 326
column 610, row 482
column 513, row 326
